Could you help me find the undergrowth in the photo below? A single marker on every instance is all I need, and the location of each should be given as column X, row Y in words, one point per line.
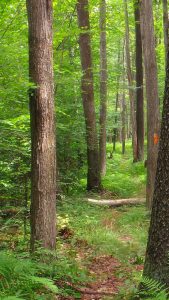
column 84, row 232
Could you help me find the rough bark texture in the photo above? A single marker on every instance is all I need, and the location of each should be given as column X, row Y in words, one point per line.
column 93, row 177
column 131, row 84
column 166, row 26
column 153, row 116
column 156, row 262
column 118, row 202
column 139, row 85
column 103, row 87
column 43, row 193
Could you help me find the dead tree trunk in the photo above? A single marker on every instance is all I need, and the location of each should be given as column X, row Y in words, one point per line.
column 93, row 176
column 139, row 85
column 103, row 88
column 43, row 190
column 131, row 84
column 153, row 115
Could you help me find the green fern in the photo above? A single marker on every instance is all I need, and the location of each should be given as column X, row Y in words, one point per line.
column 153, row 290
column 20, row 279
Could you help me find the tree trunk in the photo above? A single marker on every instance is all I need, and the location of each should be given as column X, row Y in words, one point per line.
column 131, row 85
column 43, row 190
column 166, row 26
column 156, row 262
column 123, row 120
column 115, row 120
column 103, row 87
column 93, row 176
column 153, row 115
column 116, row 106
column 139, row 85
column 123, row 111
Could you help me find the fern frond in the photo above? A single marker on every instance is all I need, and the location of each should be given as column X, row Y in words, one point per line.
column 153, row 290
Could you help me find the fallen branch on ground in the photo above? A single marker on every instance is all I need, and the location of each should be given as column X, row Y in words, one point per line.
column 118, row 202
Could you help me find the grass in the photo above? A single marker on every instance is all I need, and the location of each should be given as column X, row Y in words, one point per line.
column 121, row 232
column 124, row 178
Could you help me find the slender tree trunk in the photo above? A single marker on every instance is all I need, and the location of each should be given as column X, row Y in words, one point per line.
column 156, row 262
column 166, row 26
column 123, row 119
column 116, row 105
column 103, row 87
column 93, row 177
column 139, row 85
column 123, row 110
column 43, row 191
column 131, row 85
column 153, row 114
column 115, row 120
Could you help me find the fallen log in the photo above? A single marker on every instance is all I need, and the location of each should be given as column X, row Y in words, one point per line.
column 118, row 202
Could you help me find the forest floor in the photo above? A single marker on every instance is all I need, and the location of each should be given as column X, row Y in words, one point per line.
column 100, row 250
column 110, row 247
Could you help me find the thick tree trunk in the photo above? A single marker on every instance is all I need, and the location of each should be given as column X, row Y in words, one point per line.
column 103, row 87
column 93, row 177
column 43, row 193
column 166, row 26
column 153, row 115
column 156, row 262
column 131, row 85
column 139, row 85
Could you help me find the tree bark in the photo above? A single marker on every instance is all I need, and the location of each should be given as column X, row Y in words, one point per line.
column 131, row 84
column 123, row 121
column 93, row 176
column 123, row 111
column 153, row 115
column 43, row 190
column 116, row 105
column 139, row 85
column 115, row 119
column 103, row 87
column 166, row 26
column 156, row 262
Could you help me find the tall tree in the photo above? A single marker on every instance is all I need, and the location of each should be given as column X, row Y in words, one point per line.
column 93, row 176
column 139, row 85
column 153, row 115
column 43, row 202
column 166, row 26
column 103, row 87
column 156, row 262
column 130, row 83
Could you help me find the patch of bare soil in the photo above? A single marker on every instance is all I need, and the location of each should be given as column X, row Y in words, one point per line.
column 104, row 283
column 103, row 270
